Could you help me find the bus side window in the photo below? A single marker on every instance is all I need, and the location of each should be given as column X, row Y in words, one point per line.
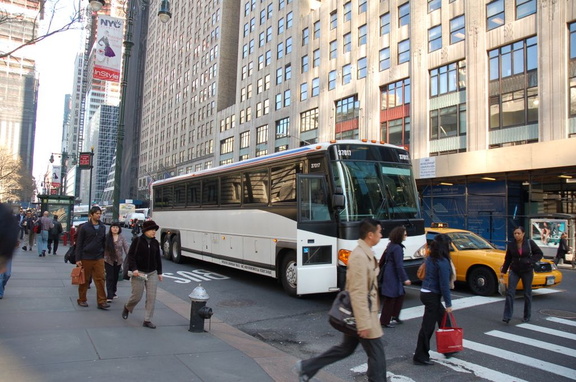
column 313, row 200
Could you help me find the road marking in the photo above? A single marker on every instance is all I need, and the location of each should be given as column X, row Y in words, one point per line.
column 532, row 342
column 536, row 363
column 479, row 371
column 362, row 369
column 553, row 332
column 562, row 321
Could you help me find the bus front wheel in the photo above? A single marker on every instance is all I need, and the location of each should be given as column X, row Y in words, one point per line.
column 176, row 255
column 289, row 275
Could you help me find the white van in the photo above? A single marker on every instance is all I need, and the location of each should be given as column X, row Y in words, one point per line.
column 133, row 216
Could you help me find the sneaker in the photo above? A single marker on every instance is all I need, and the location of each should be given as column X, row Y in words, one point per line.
column 302, row 377
column 115, row 297
column 25, row 248
column 109, row 300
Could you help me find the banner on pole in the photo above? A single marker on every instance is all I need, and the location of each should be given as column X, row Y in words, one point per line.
column 108, row 48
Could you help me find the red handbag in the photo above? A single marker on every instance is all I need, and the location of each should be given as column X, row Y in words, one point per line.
column 449, row 340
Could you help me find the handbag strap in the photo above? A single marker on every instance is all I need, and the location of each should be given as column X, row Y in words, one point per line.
column 452, row 320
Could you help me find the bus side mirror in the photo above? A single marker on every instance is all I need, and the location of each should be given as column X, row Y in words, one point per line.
column 338, row 200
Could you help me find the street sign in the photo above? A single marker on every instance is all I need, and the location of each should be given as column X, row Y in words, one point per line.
column 85, row 160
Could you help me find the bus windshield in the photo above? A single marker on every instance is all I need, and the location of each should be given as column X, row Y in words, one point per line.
column 377, row 190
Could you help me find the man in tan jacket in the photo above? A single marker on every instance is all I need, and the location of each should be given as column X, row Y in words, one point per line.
column 361, row 283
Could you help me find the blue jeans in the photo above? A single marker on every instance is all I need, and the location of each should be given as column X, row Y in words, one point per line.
column 42, row 241
column 5, row 276
column 513, row 279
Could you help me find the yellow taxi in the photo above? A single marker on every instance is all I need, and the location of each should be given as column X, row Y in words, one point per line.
column 478, row 262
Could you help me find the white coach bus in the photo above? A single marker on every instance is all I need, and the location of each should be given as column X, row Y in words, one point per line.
column 292, row 215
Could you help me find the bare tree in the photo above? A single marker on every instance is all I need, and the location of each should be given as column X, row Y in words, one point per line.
column 51, row 8
column 15, row 183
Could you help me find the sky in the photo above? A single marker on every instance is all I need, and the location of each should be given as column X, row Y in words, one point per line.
column 55, row 67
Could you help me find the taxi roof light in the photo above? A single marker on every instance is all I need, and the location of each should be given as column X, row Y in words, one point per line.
column 439, row 225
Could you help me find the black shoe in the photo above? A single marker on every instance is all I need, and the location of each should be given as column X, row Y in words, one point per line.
column 83, row 304
column 148, row 324
column 389, row 326
column 398, row 321
column 103, row 306
column 449, row 355
column 25, row 248
column 506, row 320
column 49, row 251
column 526, row 319
column 44, row 253
column 125, row 313
column 422, row 363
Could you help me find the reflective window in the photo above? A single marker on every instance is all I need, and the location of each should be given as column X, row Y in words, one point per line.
column 494, row 14
column 457, row 29
column 525, row 8
column 384, row 59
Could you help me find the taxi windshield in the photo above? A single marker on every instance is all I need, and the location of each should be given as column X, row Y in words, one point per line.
column 465, row 241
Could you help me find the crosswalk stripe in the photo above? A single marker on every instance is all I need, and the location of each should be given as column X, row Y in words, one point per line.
column 553, row 332
column 532, row 342
column 521, row 359
column 562, row 321
column 479, row 371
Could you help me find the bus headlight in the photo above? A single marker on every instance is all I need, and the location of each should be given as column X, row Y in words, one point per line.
column 421, row 252
column 343, row 256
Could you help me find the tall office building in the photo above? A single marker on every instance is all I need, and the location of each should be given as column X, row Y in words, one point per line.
column 18, row 79
column 482, row 93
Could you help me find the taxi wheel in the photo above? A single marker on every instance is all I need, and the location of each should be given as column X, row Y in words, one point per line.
column 482, row 281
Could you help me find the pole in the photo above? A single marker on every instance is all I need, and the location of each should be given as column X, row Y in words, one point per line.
column 120, row 137
column 90, row 188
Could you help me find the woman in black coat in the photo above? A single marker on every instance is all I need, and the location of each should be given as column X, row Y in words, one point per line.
column 562, row 249
column 394, row 278
column 521, row 255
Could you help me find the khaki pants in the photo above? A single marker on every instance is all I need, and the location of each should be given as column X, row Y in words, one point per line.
column 138, row 286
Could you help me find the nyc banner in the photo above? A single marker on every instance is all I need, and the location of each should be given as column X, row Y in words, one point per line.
column 108, row 48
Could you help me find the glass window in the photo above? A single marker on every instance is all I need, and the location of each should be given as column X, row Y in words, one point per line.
column 395, row 94
column 304, row 65
column 347, row 42
column 362, row 35
column 457, row 29
column 245, row 139
column 494, row 14
column 333, row 49
column 210, row 191
column 288, row 45
column 362, row 6
column 262, row 134
column 287, row 98
column 316, row 30
column 313, row 202
column 309, row 120
column 315, row 87
column 316, row 58
column 347, row 11
column 385, row 24
column 283, row 183
column 404, row 51
column 305, row 36
column 384, row 59
column 304, row 91
column 332, row 80
column 280, row 50
column 525, row 8
column 256, row 187
column 289, row 20
column 282, row 128
column 513, row 111
column 279, row 75
column 230, row 189
column 287, row 72
column 193, row 194
column 278, row 101
column 346, row 74
column 404, row 14
column 333, row 20
column 362, row 64
column 435, row 38
column 434, row 4
column 281, row 25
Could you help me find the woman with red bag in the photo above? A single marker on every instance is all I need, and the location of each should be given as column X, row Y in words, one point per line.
column 435, row 286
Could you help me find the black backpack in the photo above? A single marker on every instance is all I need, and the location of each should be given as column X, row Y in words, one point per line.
column 70, row 255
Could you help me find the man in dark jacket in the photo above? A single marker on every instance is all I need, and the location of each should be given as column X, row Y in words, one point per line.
column 90, row 255
column 54, row 235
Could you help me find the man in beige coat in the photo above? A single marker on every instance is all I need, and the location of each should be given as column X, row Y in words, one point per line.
column 361, row 283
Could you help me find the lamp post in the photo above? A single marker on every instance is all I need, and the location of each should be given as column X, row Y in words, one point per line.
column 164, row 15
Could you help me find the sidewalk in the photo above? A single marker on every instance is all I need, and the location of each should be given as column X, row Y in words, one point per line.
column 46, row 336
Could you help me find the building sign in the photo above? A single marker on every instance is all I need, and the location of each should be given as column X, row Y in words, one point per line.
column 427, row 168
column 108, row 49
column 85, row 160
column 56, row 176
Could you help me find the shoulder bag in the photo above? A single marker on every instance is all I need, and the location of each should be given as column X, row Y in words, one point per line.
column 341, row 316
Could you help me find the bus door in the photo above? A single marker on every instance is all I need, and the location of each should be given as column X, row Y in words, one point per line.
column 316, row 237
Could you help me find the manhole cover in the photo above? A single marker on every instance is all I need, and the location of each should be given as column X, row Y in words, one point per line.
column 559, row 313
column 236, row 303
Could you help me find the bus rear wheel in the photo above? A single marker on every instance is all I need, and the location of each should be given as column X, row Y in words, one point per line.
column 288, row 274
column 167, row 247
column 176, row 255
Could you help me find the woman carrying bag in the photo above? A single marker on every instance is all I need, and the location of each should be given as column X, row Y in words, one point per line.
column 435, row 286
column 521, row 255
column 114, row 251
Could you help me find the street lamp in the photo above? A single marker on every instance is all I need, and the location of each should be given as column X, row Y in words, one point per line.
column 164, row 15
column 97, row 5
column 63, row 172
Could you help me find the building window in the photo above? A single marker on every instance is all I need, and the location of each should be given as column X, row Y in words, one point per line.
column 316, row 58
column 448, row 122
column 245, row 139
column 279, row 75
column 288, row 45
column 362, row 6
column 385, row 24
column 332, row 80
column 347, row 42
column 289, row 20
column 347, row 111
column 287, row 99
column 514, row 84
column 304, row 91
column 494, row 14
column 333, row 49
column 404, row 51
column 457, row 29
column 525, row 8
column 362, row 64
column 435, row 38
column 266, row 106
column 384, row 59
column 268, row 34
column 278, row 103
column 227, row 145
column 572, row 64
column 434, row 5
column 305, row 36
column 287, row 72
column 448, row 78
column 315, row 87
column 404, row 14
column 309, row 120
column 347, row 11
column 396, row 131
column 267, row 82
column 316, row 30
column 346, row 74
column 262, row 134
column 282, row 128
column 362, row 35
column 280, row 50
column 281, row 25
column 268, row 57
column 304, row 64
column 395, row 94
column 258, row 109
column 333, row 20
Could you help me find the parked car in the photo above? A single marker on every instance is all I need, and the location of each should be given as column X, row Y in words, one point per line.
column 132, row 217
column 478, row 262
